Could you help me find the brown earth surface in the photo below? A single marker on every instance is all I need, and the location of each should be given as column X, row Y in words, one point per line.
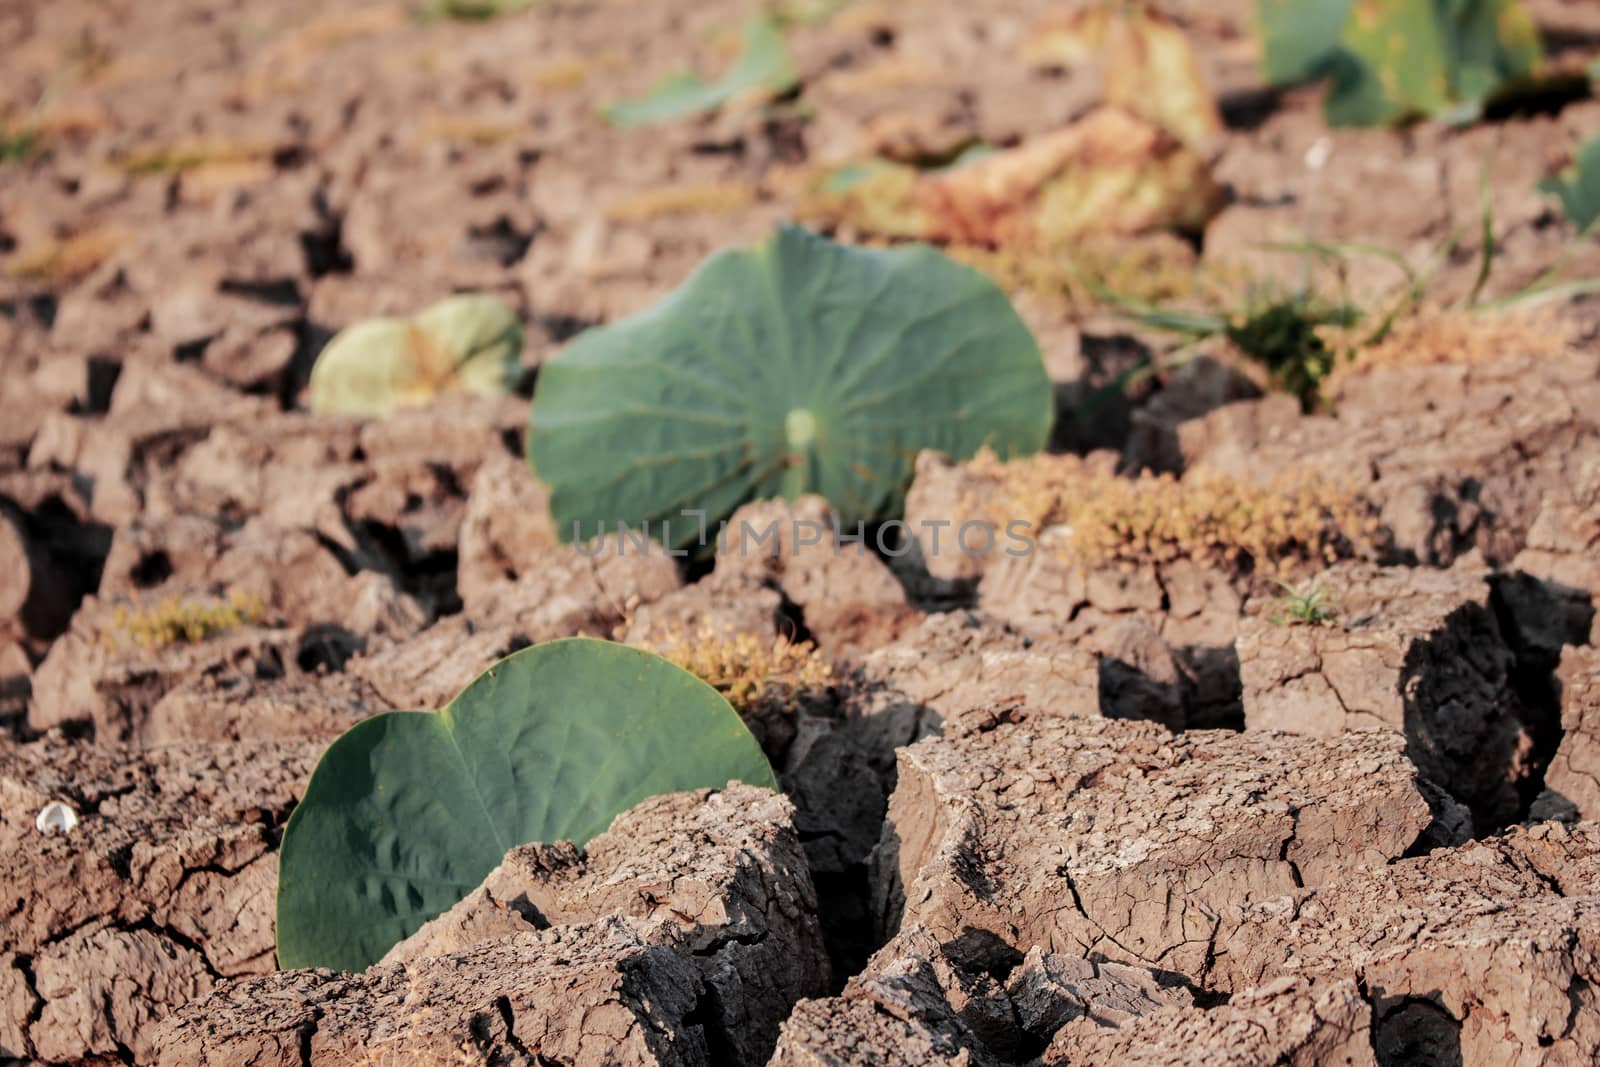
column 1047, row 810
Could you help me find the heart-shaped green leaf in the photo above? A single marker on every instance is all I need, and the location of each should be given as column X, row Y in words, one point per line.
column 802, row 366
column 470, row 343
column 1578, row 187
column 763, row 67
column 408, row 811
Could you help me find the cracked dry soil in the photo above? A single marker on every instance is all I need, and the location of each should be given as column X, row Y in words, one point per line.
column 1044, row 815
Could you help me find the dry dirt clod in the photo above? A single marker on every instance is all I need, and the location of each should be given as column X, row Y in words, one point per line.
column 1410, row 650
column 684, row 934
column 1441, row 492
column 847, row 598
column 1091, row 836
column 580, row 994
column 243, row 708
column 1291, row 1022
column 1572, row 784
column 1563, row 550
column 164, row 886
column 1481, row 954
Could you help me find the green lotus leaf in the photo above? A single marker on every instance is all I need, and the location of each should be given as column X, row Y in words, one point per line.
column 763, row 67
column 801, row 366
column 1392, row 60
column 1578, row 187
column 468, row 343
column 1299, row 37
column 408, row 811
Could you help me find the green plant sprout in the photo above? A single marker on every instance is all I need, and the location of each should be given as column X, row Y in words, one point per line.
column 1302, row 339
column 800, row 366
column 804, row 12
column 1285, row 332
column 19, row 144
column 1389, row 61
column 1306, row 604
column 763, row 68
column 408, row 811
column 472, row 10
column 1578, row 188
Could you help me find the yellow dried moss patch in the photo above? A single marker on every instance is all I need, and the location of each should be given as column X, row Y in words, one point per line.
column 1298, row 518
column 190, row 620
column 711, row 198
column 750, row 671
column 186, row 155
column 1457, row 336
column 67, row 259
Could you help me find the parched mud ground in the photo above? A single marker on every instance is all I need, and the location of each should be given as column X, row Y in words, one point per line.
column 1046, row 812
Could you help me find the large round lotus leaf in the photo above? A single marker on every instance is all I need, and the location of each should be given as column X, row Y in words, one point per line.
column 802, row 366
column 470, row 343
column 408, row 811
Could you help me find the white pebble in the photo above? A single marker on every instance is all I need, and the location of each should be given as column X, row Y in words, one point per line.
column 55, row 817
column 1317, row 155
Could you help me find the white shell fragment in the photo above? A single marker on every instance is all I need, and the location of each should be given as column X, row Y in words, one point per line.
column 55, row 817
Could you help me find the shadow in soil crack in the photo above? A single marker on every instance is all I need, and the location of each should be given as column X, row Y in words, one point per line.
column 1482, row 712
column 1414, row 1031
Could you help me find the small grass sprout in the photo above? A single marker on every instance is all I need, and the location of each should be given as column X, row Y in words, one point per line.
column 18, row 144
column 1305, row 604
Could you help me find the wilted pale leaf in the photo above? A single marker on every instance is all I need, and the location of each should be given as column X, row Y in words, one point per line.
column 470, row 343
column 1068, row 38
column 1106, row 173
column 1152, row 72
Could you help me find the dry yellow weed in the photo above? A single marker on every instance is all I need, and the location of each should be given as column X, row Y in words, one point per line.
column 750, row 671
column 711, row 198
column 171, row 619
column 179, row 156
column 1297, row 518
column 58, row 262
